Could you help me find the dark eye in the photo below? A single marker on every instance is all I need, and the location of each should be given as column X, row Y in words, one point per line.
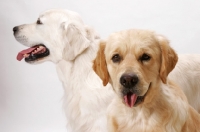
column 39, row 22
column 116, row 58
column 145, row 57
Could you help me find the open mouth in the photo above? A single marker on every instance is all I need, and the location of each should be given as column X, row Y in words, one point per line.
column 34, row 53
column 131, row 99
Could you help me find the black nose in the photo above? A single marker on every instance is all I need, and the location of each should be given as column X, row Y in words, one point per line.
column 15, row 29
column 129, row 80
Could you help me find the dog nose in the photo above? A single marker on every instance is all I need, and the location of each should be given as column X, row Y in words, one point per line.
column 129, row 80
column 15, row 29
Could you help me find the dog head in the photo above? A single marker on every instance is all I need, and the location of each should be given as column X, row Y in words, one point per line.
column 57, row 34
column 134, row 61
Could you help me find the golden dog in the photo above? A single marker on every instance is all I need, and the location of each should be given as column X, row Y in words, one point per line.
column 137, row 63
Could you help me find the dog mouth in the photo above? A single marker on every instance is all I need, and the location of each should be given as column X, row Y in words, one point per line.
column 132, row 99
column 33, row 53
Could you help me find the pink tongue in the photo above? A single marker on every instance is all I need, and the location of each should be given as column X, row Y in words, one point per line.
column 20, row 55
column 130, row 99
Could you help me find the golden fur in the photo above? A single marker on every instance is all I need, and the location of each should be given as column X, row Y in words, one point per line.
column 164, row 107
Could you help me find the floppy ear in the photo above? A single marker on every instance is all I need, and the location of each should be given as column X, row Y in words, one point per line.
column 169, row 58
column 91, row 33
column 100, row 66
column 76, row 36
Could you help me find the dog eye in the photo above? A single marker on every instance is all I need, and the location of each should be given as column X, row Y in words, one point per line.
column 116, row 58
column 39, row 22
column 145, row 57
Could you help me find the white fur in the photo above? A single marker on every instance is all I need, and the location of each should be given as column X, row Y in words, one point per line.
column 73, row 47
column 187, row 75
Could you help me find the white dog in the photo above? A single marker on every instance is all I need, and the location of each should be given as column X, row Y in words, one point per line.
column 60, row 36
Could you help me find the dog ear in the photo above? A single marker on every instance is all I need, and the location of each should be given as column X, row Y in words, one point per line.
column 91, row 33
column 100, row 66
column 76, row 35
column 168, row 60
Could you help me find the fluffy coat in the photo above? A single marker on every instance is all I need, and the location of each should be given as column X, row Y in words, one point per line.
column 137, row 63
column 72, row 47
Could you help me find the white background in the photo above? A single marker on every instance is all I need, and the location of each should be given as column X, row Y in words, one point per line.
column 31, row 95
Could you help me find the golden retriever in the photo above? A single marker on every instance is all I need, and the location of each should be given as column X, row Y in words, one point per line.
column 137, row 63
column 61, row 36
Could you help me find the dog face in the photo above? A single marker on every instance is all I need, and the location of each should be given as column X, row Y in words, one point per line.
column 57, row 34
column 134, row 61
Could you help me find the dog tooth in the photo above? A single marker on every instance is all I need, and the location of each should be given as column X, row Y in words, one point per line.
column 26, row 55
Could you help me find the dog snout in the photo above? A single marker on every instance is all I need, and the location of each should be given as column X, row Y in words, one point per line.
column 15, row 29
column 129, row 80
